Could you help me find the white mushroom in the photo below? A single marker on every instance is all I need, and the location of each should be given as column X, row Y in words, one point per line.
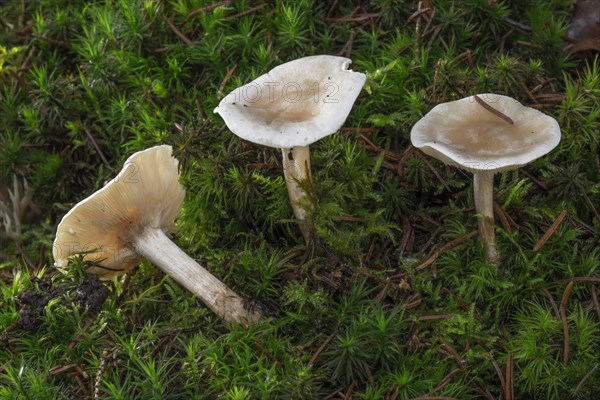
column 291, row 107
column 485, row 134
column 130, row 218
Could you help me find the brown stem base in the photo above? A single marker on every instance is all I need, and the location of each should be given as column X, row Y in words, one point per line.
column 296, row 170
column 484, row 205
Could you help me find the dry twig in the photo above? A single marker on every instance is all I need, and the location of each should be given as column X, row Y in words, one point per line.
column 563, row 316
column 550, row 231
column 491, row 109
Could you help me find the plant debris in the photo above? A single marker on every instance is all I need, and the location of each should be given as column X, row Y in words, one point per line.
column 34, row 300
column 92, row 294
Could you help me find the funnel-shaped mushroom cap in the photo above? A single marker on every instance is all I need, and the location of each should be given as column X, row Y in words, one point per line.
column 295, row 104
column 145, row 194
column 479, row 137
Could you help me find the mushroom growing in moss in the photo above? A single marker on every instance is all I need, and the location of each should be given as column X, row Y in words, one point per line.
column 485, row 134
column 291, row 107
column 129, row 219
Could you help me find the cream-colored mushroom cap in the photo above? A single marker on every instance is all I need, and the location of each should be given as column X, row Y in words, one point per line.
column 467, row 134
column 295, row 104
column 145, row 194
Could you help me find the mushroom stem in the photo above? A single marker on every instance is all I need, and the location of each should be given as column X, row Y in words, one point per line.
column 154, row 245
column 484, row 205
column 296, row 170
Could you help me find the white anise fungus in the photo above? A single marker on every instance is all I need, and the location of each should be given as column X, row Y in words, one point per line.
column 129, row 219
column 485, row 134
column 290, row 107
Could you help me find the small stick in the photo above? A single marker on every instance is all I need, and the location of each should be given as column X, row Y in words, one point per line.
column 508, row 391
column 60, row 369
column 408, row 236
column 429, row 21
column 427, row 397
column 417, row 14
column 585, row 378
column 248, row 11
column 503, row 41
column 470, row 59
column 453, row 353
column 498, row 372
column 99, row 373
column 417, row 28
column 55, row 42
column 502, row 217
column 360, row 18
column 227, row 77
column 11, row 327
column 466, row 306
column 369, row 374
column 42, row 257
column 519, row 26
column 550, row 231
column 95, row 144
column 435, row 172
column 268, row 354
column 491, row 109
column 435, row 34
column 553, row 303
column 347, row 49
column 595, row 301
column 589, row 202
column 20, row 81
column 353, row 130
column 201, row 109
column 81, row 372
column 526, row 89
column 533, row 179
column 24, row 256
column 591, row 279
column 320, row 350
column 333, row 5
column 446, row 379
column 78, row 337
column 349, row 392
column 80, row 383
column 387, row 154
column 436, row 253
column 22, row 13
column 177, row 32
column 563, row 315
column 337, row 392
column 371, row 250
column 381, row 295
column 541, row 85
column 206, row 9
column 412, row 304
column 435, row 317
column 350, row 218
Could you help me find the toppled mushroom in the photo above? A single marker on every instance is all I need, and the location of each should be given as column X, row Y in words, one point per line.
column 130, row 218
column 291, row 107
column 485, row 134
